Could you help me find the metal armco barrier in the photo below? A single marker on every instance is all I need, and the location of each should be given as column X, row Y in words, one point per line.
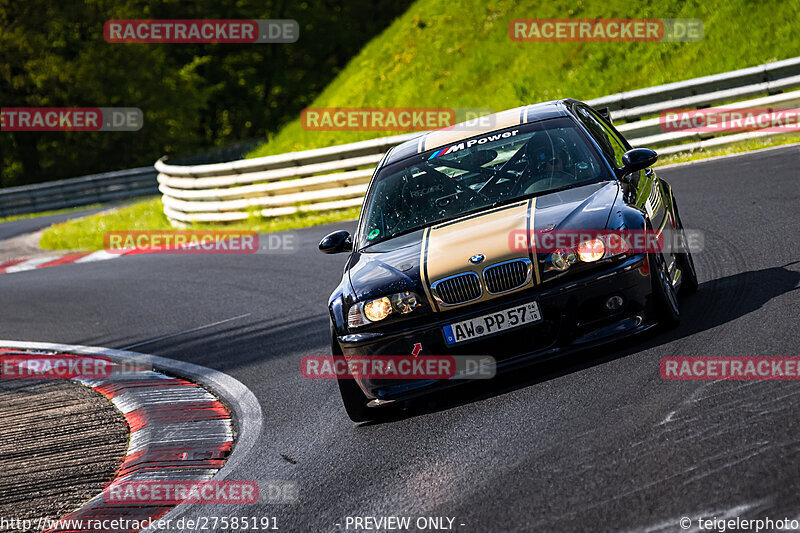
column 75, row 192
column 105, row 187
column 337, row 177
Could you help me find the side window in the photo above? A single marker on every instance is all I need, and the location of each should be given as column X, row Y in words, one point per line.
column 604, row 135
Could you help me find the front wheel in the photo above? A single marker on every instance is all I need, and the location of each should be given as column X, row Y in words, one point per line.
column 355, row 402
column 689, row 281
column 666, row 300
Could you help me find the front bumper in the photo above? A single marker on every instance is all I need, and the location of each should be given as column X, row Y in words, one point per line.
column 574, row 317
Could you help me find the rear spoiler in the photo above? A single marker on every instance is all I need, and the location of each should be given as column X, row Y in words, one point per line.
column 605, row 113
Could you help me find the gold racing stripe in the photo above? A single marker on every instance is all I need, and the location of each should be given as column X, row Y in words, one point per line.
column 447, row 247
column 423, row 270
column 531, row 242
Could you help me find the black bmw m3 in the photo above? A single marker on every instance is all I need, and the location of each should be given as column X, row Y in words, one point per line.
column 500, row 240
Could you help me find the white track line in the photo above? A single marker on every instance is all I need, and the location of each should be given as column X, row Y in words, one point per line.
column 30, row 264
column 100, row 255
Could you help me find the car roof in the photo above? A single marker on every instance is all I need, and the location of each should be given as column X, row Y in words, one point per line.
column 486, row 124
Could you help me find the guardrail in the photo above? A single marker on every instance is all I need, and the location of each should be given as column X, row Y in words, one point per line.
column 105, row 187
column 336, row 177
column 769, row 78
column 75, row 192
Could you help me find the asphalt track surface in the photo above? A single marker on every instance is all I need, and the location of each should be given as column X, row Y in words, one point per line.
column 595, row 442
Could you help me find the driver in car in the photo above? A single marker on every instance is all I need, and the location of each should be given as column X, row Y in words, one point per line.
column 548, row 158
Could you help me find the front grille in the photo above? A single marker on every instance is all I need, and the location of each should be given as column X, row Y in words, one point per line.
column 507, row 275
column 457, row 289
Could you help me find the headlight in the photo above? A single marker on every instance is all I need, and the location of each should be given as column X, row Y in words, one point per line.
column 404, row 302
column 377, row 310
column 562, row 259
column 590, row 251
column 355, row 317
column 616, row 244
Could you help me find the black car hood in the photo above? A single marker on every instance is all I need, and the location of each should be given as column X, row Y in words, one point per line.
column 395, row 265
column 586, row 207
column 387, row 267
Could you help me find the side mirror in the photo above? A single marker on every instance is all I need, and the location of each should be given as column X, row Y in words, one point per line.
column 336, row 242
column 637, row 159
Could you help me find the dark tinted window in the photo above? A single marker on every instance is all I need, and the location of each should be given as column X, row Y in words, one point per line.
column 604, row 135
column 474, row 174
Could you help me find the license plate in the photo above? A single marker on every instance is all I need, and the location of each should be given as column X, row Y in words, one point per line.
column 510, row 318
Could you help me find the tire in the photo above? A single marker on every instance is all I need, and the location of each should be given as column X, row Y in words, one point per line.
column 355, row 402
column 689, row 281
column 666, row 300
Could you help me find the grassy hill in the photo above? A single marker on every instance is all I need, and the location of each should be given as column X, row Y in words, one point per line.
column 457, row 53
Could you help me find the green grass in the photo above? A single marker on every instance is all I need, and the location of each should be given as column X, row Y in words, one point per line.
column 87, row 233
column 457, row 53
column 47, row 213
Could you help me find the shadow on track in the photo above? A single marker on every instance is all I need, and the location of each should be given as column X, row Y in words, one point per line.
column 717, row 302
column 230, row 347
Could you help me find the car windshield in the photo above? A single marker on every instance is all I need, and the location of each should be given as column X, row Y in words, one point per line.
column 476, row 173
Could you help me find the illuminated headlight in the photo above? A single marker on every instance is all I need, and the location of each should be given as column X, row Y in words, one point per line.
column 591, row 251
column 378, row 309
column 562, row 259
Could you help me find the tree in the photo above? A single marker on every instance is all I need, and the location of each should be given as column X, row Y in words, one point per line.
column 194, row 96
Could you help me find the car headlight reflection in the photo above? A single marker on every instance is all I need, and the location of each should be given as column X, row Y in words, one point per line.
column 404, row 302
column 591, row 251
column 378, row 309
column 562, row 259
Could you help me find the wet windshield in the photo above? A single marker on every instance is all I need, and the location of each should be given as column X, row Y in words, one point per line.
column 477, row 173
